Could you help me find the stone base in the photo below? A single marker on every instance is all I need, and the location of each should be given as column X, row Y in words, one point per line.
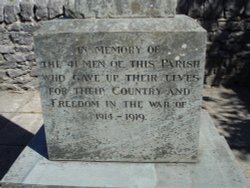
column 216, row 168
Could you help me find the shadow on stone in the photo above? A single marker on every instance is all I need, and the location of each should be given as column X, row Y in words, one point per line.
column 232, row 117
column 38, row 143
column 13, row 140
column 238, row 126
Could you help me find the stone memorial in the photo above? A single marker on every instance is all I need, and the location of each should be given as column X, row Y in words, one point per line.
column 122, row 89
column 120, row 8
column 119, row 95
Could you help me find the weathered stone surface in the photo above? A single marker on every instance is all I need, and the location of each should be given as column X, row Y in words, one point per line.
column 5, row 39
column 120, row 8
column 6, row 49
column 10, row 12
column 132, row 88
column 7, row 65
column 22, row 38
column 217, row 168
column 33, row 71
column 3, row 76
column 15, row 73
column 27, row 7
column 14, row 57
column 23, row 80
column 41, row 9
column 55, row 8
column 1, row 12
column 26, row 27
column 30, row 57
column 24, row 49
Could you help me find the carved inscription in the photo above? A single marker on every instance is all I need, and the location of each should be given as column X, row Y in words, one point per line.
column 132, row 84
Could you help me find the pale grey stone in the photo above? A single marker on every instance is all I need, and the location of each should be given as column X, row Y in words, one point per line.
column 3, row 76
column 29, row 27
column 7, row 65
column 41, row 13
column 9, row 86
column 23, row 79
column 2, row 28
column 1, row 12
column 33, row 71
column 5, row 39
column 32, row 85
column 217, row 168
column 55, row 8
column 109, row 133
column 120, row 8
column 11, row 10
column 26, row 8
column 14, row 58
column 30, row 57
column 15, row 27
column 6, row 49
column 26, row 27
column 41, row 9
column 13, row 73
column 21, row 38
column 24, row 49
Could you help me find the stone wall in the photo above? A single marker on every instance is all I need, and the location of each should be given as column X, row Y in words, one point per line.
column 228, row 26
column 18, row 20
column 227, row 22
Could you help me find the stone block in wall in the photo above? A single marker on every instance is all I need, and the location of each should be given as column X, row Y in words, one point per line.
column 41, row 9
column 26, row 10
column 233, row 8
column 1, row 12
column 24, row 79
column 7, row 86
column 5, row 39
column 30, row 57
column 33, row 71
column 14, row 58
column 33, row 84
column 24, row 49
column 3, row 76
column 21, row 38
column 7, row 65
column 55, row 8
column 6, row 49
column 213, row 9
column 13, row 73
column 11, row 11
column 29, row 27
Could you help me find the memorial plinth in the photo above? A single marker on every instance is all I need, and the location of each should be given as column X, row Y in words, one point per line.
column 122, row 89
column 126, row 89
column 120, row 8
column 216, row 168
